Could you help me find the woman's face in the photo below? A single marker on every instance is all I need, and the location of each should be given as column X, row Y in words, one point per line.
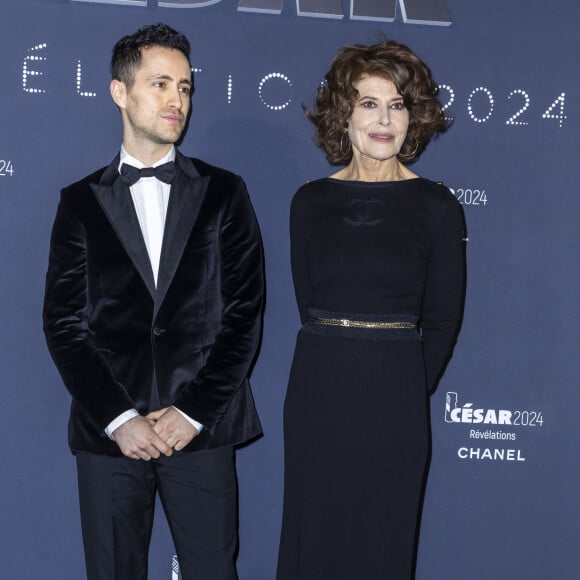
column 378, row 125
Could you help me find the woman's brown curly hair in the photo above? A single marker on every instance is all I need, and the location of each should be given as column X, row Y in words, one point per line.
column 388, row 60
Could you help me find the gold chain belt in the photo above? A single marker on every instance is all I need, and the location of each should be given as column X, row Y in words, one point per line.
column 360, row 323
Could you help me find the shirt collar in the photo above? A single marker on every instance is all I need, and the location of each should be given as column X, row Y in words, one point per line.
column 126, row 158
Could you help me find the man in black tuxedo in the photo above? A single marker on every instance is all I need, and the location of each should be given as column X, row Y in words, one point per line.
column 152, row 315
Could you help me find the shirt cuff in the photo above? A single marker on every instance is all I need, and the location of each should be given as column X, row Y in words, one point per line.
column 119, row 420
column 195, row 423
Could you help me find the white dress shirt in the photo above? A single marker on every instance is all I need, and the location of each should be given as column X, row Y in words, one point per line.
column 150, row 198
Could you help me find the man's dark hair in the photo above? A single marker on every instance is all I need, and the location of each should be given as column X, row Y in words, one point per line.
column 126, row 59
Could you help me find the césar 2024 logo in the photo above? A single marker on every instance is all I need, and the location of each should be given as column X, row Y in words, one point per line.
column 468, row 413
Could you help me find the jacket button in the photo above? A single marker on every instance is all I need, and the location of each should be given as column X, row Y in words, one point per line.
column 158, row 331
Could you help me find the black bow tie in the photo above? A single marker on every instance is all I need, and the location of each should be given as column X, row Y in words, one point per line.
column 131, row 175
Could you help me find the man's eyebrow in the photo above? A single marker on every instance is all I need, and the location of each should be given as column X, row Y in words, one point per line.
column 162, row 77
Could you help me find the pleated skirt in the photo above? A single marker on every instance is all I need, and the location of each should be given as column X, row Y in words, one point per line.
column 356, row 438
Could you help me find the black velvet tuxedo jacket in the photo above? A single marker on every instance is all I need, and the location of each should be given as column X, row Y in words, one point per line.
column 114, row 337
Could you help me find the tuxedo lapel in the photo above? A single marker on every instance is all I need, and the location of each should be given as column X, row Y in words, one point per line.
column 115, row 199
column 187, row 194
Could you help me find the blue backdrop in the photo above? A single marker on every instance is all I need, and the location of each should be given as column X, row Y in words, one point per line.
column 502, row 495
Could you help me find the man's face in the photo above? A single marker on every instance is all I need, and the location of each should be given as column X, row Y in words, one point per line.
column 155, row 107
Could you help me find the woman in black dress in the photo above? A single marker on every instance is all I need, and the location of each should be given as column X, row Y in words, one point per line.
column 379, row 275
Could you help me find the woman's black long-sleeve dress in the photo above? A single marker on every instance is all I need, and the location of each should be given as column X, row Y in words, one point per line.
column 356, row 422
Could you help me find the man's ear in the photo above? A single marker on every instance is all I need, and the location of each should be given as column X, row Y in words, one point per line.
column 118, row 92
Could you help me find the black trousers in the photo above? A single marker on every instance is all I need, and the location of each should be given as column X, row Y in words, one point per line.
column 198, row 492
